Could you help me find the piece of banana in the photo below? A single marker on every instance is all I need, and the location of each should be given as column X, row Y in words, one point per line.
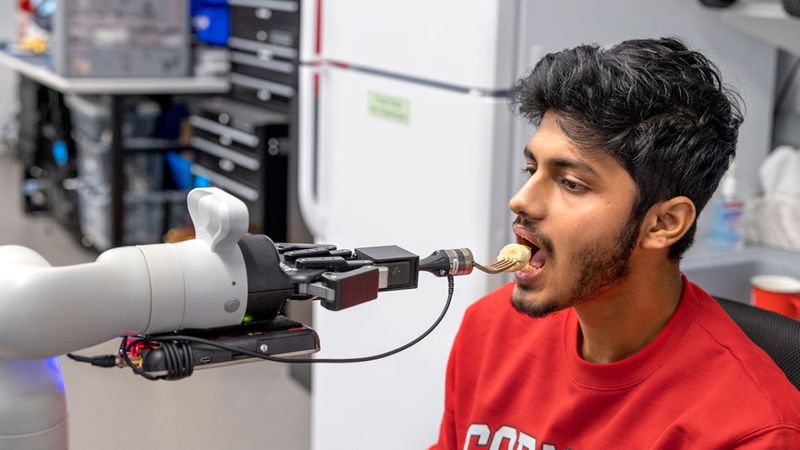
column 515, row 252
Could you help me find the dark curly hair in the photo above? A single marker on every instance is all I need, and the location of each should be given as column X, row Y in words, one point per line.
column 658, row 108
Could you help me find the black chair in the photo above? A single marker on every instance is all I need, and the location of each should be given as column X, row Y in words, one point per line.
column 777, row 335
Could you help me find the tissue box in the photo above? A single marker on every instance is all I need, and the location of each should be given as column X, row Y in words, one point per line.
column 773, row 222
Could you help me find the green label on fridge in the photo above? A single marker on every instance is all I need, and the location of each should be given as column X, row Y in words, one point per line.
column 389, row 108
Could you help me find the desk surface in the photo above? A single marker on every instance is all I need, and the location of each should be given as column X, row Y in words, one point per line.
column 33, row 67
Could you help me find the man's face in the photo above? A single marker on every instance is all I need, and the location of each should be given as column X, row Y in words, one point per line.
column 573, row 211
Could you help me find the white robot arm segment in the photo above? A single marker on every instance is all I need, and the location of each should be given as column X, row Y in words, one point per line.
column 200, row 283
column 48, row 311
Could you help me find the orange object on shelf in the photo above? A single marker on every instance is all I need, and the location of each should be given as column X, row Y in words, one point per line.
column 777, row 293
column 178, row 234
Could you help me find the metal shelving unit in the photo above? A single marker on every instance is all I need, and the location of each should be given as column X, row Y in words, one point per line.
column 118, row 89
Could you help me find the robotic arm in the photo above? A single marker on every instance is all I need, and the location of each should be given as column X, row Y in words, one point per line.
column 223, row 283
column 205, row 283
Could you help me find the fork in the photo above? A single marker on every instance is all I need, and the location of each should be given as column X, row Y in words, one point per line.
column 499, row 266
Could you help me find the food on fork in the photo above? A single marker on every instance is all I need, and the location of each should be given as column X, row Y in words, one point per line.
column 520, row 254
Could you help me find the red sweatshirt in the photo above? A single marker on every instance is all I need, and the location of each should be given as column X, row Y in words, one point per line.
column 518, row 383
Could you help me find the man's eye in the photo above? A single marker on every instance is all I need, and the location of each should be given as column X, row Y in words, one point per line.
column 573, row 186
column 530, row 170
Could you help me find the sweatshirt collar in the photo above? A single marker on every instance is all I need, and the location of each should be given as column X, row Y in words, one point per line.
column 637, row 367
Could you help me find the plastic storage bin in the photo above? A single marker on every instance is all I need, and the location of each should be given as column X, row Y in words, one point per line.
column 144, row 172
column 91, row 116
column 144, row 218
column 121, row 38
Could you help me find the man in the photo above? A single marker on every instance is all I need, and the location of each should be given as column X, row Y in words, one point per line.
column 601, row 343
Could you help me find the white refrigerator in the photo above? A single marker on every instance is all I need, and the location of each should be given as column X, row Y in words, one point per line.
column 406, row 137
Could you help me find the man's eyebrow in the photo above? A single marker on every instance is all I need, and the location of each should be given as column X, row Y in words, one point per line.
column 572, row 164
column 564, row 163
column 528, row 153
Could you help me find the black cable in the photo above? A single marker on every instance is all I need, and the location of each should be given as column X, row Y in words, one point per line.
column 787, row 83
column 188, row 359
column 80, row 358
column 179, row 355
column 171, row 360
column 180, row 359
column 450, row 289
column 98, row 361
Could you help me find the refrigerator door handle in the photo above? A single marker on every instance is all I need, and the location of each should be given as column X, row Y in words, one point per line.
column 309, row 190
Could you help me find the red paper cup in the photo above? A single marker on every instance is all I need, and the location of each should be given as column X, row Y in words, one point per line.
column 777, row 293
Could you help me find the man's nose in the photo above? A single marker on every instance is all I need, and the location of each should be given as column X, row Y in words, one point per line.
column 529, row 199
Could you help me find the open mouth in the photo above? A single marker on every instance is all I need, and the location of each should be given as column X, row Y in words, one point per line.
column 538, row 255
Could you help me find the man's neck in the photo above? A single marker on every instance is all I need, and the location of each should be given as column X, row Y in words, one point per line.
column 626, row 317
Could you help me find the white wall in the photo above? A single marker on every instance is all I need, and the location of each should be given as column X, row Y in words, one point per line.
column 8, row 81
column 787, row 119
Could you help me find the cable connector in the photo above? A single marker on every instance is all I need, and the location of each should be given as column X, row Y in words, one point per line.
column 98, row 361
column 453, row 261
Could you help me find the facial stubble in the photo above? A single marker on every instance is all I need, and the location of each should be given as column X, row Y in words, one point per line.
column 597, row 269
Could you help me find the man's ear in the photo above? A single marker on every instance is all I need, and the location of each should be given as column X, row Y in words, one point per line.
column 666, row 222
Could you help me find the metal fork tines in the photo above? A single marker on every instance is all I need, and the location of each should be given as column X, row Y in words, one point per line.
column 498, row 266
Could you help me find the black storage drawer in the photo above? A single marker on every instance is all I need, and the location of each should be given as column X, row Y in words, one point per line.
column 279, row 29
column 235, row 165
column 261, row 48
column 276, row 37
column 243, row 150
column 264, row 15
column 233, row 115
column 263, row 93
column 224, row 137
column 238, row 125
column 223, row 117
column 265, row 66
